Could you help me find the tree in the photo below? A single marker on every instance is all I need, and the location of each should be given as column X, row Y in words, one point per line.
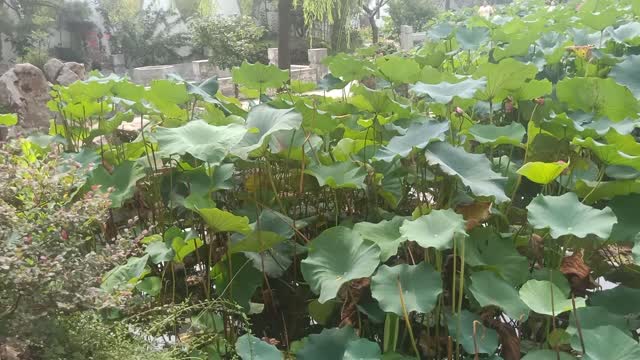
column 415, row 13
column 284, row 33
column 337, row 13
column 372, row 12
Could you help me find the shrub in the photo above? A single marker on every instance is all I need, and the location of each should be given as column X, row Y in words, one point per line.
column 415, row 13
column 231, row 40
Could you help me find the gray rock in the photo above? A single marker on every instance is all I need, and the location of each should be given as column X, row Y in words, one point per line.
column 25, row 91
column 66, row 77
column 52, row 69
column 77, row 68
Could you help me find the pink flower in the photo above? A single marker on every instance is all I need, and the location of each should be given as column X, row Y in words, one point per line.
column 459, row 111
column 539, row 101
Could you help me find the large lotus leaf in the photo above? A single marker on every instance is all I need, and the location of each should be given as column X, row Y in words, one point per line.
column 159, row 252
column 507, row 76
column 547, row 355
column 418, row 136
column 184, row 246
column 223, row 221
column 258, row 76
column 544, row 297
column 121, row 183
column 330, row 82
column 609, row 153
column 237, row 279
column 377, row 101
column 167, row 91
column 399, row 70
column 602, row 96
column 511, row 134
column 626, row 143
column 250, row 347
column 533, row 89
column 599, row 20
column 486, row 250
column 151, row 285
column 275, row 261
column 472, row 38
column 626, row 209
column 606, row 343
column 336, row 257
column 338, row 344
column 486, row 339
column 339, row 175
column 8, row 119
column 203, row 141
column 89, row 90
column 625, row 74
column 620, row 300
column 436, row 229
column 565, row 215
column 263, row 121
column 591, row 317
column 489, row 289
column 592, row 191
column 421, row 285
column 348, row 67
column 257, row 241
column 444, row 92
column 473, row 169
column 440, row 31
column 386, row 234
column 128, row 273
column 541, row 172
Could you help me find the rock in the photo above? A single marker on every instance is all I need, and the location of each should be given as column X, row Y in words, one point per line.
column 70, row 73
column 25, row 91
column 52, row 69
column 66, row 77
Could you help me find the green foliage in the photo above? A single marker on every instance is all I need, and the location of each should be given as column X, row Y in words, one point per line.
column 415, row 13
column 230, row 40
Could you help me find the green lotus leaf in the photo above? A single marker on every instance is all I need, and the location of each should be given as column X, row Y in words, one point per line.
column 121, row 183
column 166, row 92
column 472, row 38
column 547, row 355
column 440, row 31
column 555, row 276
column 541, row 172
column 511, row 134
column 89, row 90
column 210, row 86
column 399, row 70
column 224, row 221
column 299, row 86
column 486, row 339
column 621, row 172
column 620, row 300
column 250, row 347
column 487, row 250
column 609, row 153
column 444, row 92
column 338, row 344
column 473, row 169
column 259, row 77
column 599, row 20
column 421, row 285
column 592, row 317
column 503, row 78
column 8, row 119
column 626, row 33
column 127, row 274
column 203, row 141
column 385, row 234
column 183, row 246
column 544, row 297
column 151, row 285
column 348, row 67
column 377, row 101
column 565, row 215
column 264, row 121
column 626, row 209
column 236, row 279
column 592, row 191
column 337, row 256
column 159, row 252
column 330, row 82
column 602, row 96
column 339, row 175
column 128, row 90
column 257, row 241
column 436, row 229
column 533, row 89
column 489, row 289
column 624, row 73
column 606, row 343
column 418, row 135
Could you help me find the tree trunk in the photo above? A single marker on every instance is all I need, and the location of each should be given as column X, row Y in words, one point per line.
column 375, row 32
column 447, row 5
column 284, row 33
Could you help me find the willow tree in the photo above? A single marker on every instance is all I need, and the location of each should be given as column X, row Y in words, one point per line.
column 337, row 13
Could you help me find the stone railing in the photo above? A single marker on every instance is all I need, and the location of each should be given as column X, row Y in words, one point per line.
column 200, row 70
column 408, row 38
